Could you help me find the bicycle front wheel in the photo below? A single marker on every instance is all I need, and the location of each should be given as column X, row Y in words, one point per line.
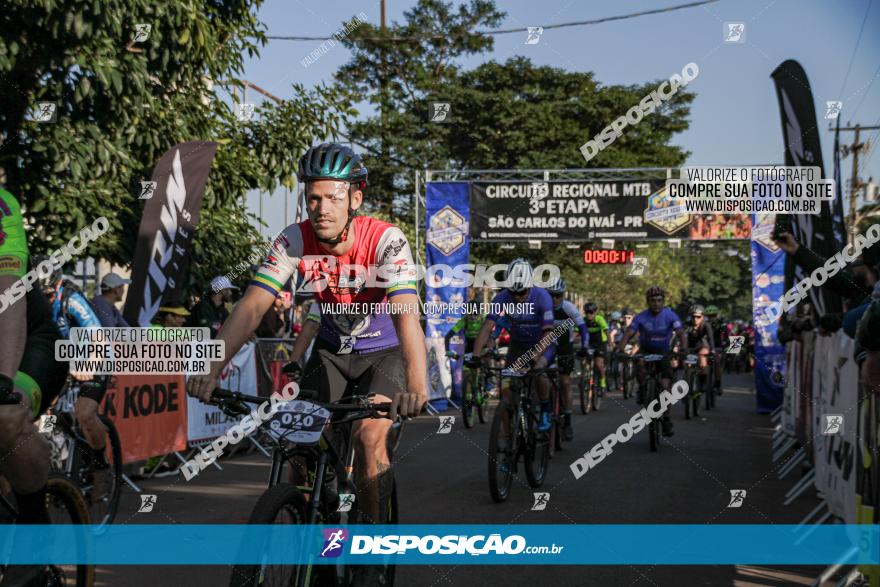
column 467, row 402
column 66, row 505
column 583, row 385
column 501, row 453
column 104, row 507
column 281, row 504
column 536, row 450
column 654, row 424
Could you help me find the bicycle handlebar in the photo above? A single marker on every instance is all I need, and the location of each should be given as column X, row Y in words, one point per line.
column 234, row 401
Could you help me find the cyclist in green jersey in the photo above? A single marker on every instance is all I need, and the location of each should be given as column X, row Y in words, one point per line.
column 597, row 328
column 30, row 379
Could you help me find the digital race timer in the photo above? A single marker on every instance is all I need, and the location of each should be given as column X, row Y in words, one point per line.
column 604, row 256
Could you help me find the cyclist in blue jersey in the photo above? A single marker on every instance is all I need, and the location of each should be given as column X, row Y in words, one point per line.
column 656, row 326
column 70, row 308
column 530, row 340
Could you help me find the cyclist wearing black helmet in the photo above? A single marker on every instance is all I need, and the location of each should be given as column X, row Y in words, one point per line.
column 656, row 326
column 701, row 340
column 358, row 262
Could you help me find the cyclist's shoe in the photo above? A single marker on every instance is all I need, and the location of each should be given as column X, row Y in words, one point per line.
column 666, row 427
column 567, row 430
column 25, row 576
column 545, row 423
column 602, row 391
column 368, row 576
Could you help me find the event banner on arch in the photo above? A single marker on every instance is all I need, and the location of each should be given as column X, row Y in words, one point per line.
column 589, row 210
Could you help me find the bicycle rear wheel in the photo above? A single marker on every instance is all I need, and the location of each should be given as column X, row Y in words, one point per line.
column 500, row 480
column 66, row 505
column 282, row 504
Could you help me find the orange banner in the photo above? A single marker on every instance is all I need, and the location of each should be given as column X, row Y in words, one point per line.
column 149, row 412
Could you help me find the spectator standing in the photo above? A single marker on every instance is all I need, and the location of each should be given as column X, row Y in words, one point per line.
column 112, row 292
column 273, row 324
column 211, row 311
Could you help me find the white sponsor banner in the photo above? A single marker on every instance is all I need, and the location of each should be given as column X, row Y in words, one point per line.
column 206, row 422
column 835, row 391
column 439, row 375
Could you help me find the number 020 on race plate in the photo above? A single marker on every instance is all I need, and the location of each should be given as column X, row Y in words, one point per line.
column 299, row 422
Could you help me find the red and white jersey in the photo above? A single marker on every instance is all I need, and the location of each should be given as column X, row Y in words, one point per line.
column 379, row 266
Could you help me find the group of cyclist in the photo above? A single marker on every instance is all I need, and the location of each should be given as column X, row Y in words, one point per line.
column 656, row 330
column 381, row 353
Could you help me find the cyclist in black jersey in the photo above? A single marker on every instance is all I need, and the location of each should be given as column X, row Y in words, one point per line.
column 701, row 340
column 718, row 330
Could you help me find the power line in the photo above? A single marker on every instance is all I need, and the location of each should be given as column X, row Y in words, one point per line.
column 855, row 49
column 508, row 31
column 867, row 89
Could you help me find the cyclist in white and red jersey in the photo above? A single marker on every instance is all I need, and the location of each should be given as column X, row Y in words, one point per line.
column 381, row 351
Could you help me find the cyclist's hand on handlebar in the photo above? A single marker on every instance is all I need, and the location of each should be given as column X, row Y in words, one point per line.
column 201, row 387
column 406, row 405
column 81, row 376
column 293, row 369
column 472, row 361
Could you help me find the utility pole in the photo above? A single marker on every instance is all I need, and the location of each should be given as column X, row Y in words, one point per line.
column 383, row 91
column 855, row 184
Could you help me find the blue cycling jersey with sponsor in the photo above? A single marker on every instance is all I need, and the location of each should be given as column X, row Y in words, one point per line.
column 655, row 330
column 70, row 308
column 527, row 325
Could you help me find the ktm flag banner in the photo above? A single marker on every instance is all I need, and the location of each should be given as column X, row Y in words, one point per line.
column 588, row 210
column 169, row 220
column 149, row 412
column 800, row 134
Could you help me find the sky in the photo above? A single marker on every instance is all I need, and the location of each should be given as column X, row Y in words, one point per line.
column 734, row 119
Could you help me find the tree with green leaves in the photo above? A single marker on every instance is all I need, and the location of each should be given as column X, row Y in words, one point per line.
column 122, row 103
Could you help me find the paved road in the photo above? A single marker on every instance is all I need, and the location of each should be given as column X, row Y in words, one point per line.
column 443, row 480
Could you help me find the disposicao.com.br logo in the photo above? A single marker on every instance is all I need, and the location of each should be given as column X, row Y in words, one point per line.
column 476, row 545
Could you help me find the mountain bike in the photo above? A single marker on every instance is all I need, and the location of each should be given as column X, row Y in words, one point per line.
column 474, row 397
column 316, row 437
column 653, row 386
column 521, row 440
column 66, row 505
column 588, row 384
column 691, row 376
column 710, row 392
column 626, row 366
column 71, row 455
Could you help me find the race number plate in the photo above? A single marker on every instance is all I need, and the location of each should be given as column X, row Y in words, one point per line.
column 299, row 422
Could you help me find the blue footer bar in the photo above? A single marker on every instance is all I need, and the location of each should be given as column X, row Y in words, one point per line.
column 524, row 544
